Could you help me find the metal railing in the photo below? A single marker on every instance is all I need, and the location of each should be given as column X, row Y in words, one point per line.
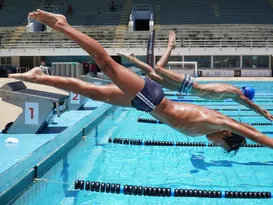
column 59, row 43
column 22, row 69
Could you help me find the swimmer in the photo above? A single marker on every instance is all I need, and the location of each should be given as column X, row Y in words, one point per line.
column 143, row 94
column 184, row 83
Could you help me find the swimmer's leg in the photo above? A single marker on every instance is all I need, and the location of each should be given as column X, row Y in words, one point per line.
column 144, row 67
column 105, row 93
column 148, row 70
column 163, row 61
column 126, row 80
column 168, row 75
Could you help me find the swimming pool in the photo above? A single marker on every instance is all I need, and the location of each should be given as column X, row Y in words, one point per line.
column 206, row 168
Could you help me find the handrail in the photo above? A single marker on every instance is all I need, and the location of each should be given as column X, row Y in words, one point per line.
column 60, row 43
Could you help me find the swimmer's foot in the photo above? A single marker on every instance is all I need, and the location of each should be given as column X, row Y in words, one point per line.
column 55, row 21
column 31, row 76
column 129, row 56
column 172, row 40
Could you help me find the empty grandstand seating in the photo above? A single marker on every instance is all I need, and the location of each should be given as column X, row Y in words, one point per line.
column 14, row 12
column 203, row 12
column 88, row 13
column 187, row 36
column 210, row 35
column 198, row 23
column 54, row 39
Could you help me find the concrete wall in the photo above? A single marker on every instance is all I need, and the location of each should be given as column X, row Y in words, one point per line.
column 15, row 53
column 15, row 61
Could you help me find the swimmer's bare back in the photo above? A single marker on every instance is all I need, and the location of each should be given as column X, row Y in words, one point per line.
column 194, row 120
column 189, row 119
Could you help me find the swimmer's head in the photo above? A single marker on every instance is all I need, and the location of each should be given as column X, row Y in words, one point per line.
column 248, row 92
column 228, row 140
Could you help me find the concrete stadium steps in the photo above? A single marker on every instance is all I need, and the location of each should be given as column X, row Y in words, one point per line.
column 90, row 13
column 99, row 32
column 15, row 35
column 54, row 39
column 14, row 12
column 209, row 32
column 213, row 11
column 6, row 33
column 124, row 19
column 91, row 18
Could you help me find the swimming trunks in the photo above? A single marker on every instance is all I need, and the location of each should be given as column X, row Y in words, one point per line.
column 149, row 97
column 186, row 84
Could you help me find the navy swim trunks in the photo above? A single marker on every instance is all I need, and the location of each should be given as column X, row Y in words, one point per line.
column 149, row 97
column 186, row 84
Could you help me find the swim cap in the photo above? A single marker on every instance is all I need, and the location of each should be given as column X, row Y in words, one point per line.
column 248, row 91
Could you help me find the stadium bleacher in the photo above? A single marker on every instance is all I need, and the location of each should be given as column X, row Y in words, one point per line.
column 240, row 23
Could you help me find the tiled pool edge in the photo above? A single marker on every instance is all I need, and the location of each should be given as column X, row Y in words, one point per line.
column 59, row 146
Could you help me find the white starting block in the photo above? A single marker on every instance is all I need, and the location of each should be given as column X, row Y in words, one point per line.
column 76, row 101
column 38, row 107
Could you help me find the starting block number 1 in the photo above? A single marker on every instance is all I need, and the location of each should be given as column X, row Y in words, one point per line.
column 74, row 98
column 31, row 113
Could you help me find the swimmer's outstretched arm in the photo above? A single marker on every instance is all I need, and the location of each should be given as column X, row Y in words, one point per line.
column 126, row 80
column 104, row 93
column 240, row 98
column 145, row 68
column 249, row 132
column 148, row 70
column 228, row 91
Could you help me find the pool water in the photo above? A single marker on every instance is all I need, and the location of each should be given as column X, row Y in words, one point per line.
column 209, row 168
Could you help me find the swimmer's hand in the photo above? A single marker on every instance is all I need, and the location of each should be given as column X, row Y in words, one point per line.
column 268, row 115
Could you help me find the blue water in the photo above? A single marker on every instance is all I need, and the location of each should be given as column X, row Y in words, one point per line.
column 94, row 159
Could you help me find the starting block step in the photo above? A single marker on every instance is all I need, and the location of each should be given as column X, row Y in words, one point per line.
column 38, row 107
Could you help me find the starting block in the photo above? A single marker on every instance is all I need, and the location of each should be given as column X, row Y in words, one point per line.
column 38, row 107
column 76, row 101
